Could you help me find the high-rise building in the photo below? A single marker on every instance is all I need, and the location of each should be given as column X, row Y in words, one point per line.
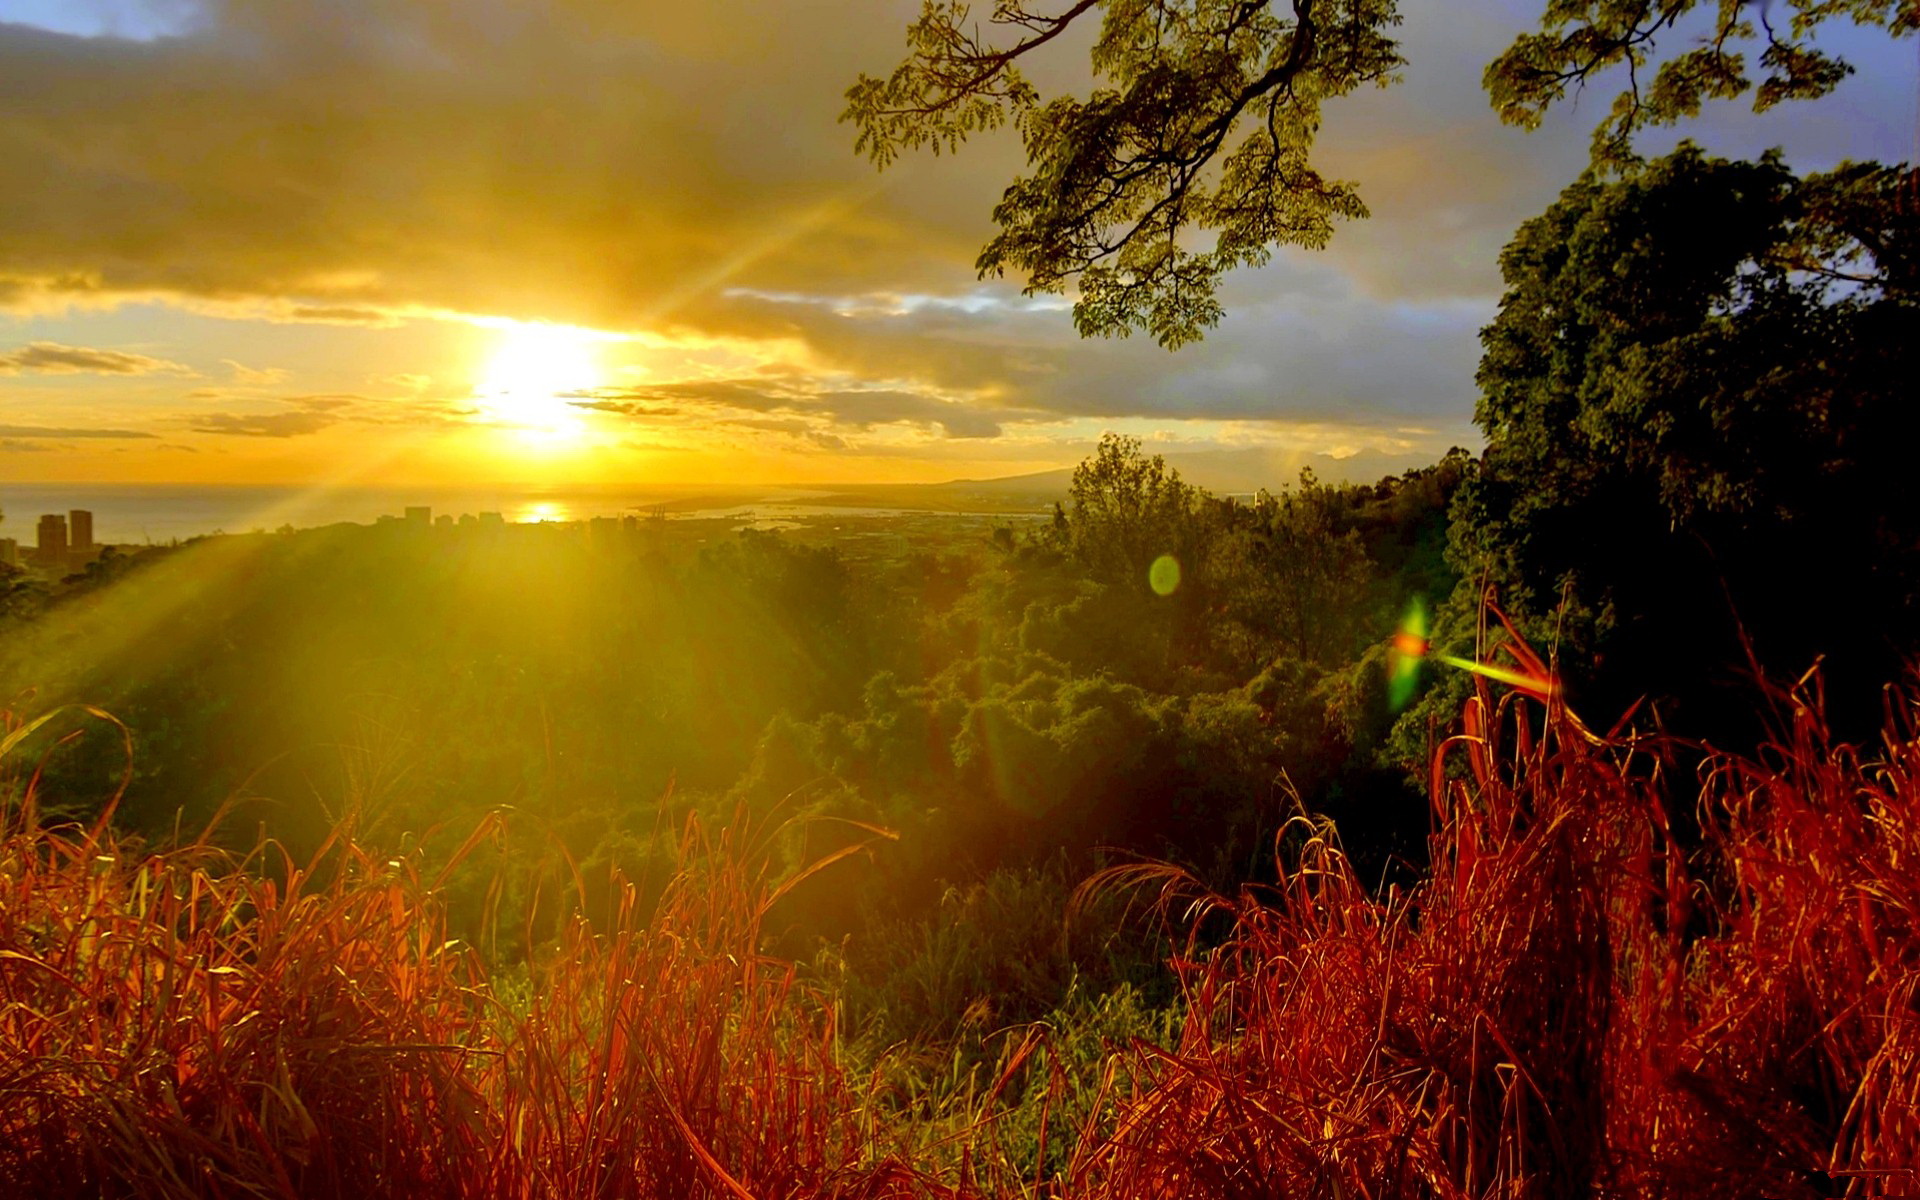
column 52, row 548
column 420, row 514
column 80, row 531
column 9, row 552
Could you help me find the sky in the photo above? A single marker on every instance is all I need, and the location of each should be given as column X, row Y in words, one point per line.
column 386, row 242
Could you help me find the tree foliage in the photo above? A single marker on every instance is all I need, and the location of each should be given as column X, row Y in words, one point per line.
column 1192, row 152
column 1202, row 117
column 1127, row 510
column 1697, row 399
column 1580, row 39
column 1301, row 575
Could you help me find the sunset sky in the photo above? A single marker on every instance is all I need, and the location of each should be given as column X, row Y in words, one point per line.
column 391, row 241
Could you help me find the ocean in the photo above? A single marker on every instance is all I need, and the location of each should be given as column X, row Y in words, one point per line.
column 162, row 513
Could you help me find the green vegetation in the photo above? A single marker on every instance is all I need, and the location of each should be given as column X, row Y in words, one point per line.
column 1697, row 406
column 1571, row 1003
column 1023, row 702
column 1090, row 856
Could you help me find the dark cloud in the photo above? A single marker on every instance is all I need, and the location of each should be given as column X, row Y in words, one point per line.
column 587, row 160
column 15, row 446
column 1325, row 353
column 336, row 314
column 626, row 408
column 323, row 403
column 265, row 425
column 42, row 431
column 863, row 409
column 51, row 358
column 812, row 404
column 759, row 393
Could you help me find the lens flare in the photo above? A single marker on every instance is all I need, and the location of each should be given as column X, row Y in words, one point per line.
column 1525, row 681
column 1409, row 647
column 1404, row 653
column 1164, row 575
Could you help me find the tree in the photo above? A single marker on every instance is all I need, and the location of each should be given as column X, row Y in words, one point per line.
column 1697, row 403
column 1192, row 154
column 1203, row 119
column 1579, row 39
column 19, row 594
column 1128, row 510
column 1294, row 576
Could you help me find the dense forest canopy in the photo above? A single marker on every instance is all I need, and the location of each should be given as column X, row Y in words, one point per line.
column 1696, row 399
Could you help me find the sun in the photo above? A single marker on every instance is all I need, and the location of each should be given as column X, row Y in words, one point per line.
column 535, row 374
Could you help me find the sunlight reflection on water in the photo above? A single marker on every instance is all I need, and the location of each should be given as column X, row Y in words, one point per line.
column 542, row 510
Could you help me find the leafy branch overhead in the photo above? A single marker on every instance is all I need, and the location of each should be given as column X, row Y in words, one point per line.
column 1191, row 153
column 1202, row 118
column 1580, row 39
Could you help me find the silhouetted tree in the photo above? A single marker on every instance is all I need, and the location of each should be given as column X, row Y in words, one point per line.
column 1697, row 399
column 1204, row 113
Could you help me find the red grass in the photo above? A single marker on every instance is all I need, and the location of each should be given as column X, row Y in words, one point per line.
column 1563, row 1008
column 1570, row 1005
column 174, row 1023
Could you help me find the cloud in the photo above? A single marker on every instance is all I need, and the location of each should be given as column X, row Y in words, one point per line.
column 864, row 409
column 15, row 446
column 678, row 170
column 814, row 400
column 52, row 358
column 41, row 431
column 327, row 403
column 264, row 425
column 255, row 376
column 355, row 160
column 334, row 314
column 627, row 408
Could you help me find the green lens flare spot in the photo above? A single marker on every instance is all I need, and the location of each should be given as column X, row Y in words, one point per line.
column 1164, row 575
column 1404, row 652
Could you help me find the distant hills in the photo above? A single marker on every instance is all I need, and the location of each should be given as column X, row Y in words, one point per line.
column 1222, row 472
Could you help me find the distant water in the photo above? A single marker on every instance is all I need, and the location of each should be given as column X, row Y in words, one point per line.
column 165, row 512
column 160, row 513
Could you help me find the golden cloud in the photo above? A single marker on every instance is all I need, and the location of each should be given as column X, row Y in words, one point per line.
column 52, row 358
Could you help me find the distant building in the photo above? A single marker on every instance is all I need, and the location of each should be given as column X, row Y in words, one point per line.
column 52, row 548
column 492, row 518
column 9, row 552
column 443, row 521
column 468, row 520
column 419, row 514
column 80, row 531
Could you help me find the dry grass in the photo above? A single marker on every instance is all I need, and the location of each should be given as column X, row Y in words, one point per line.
column 177, row 1023
column 1572, row 1004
